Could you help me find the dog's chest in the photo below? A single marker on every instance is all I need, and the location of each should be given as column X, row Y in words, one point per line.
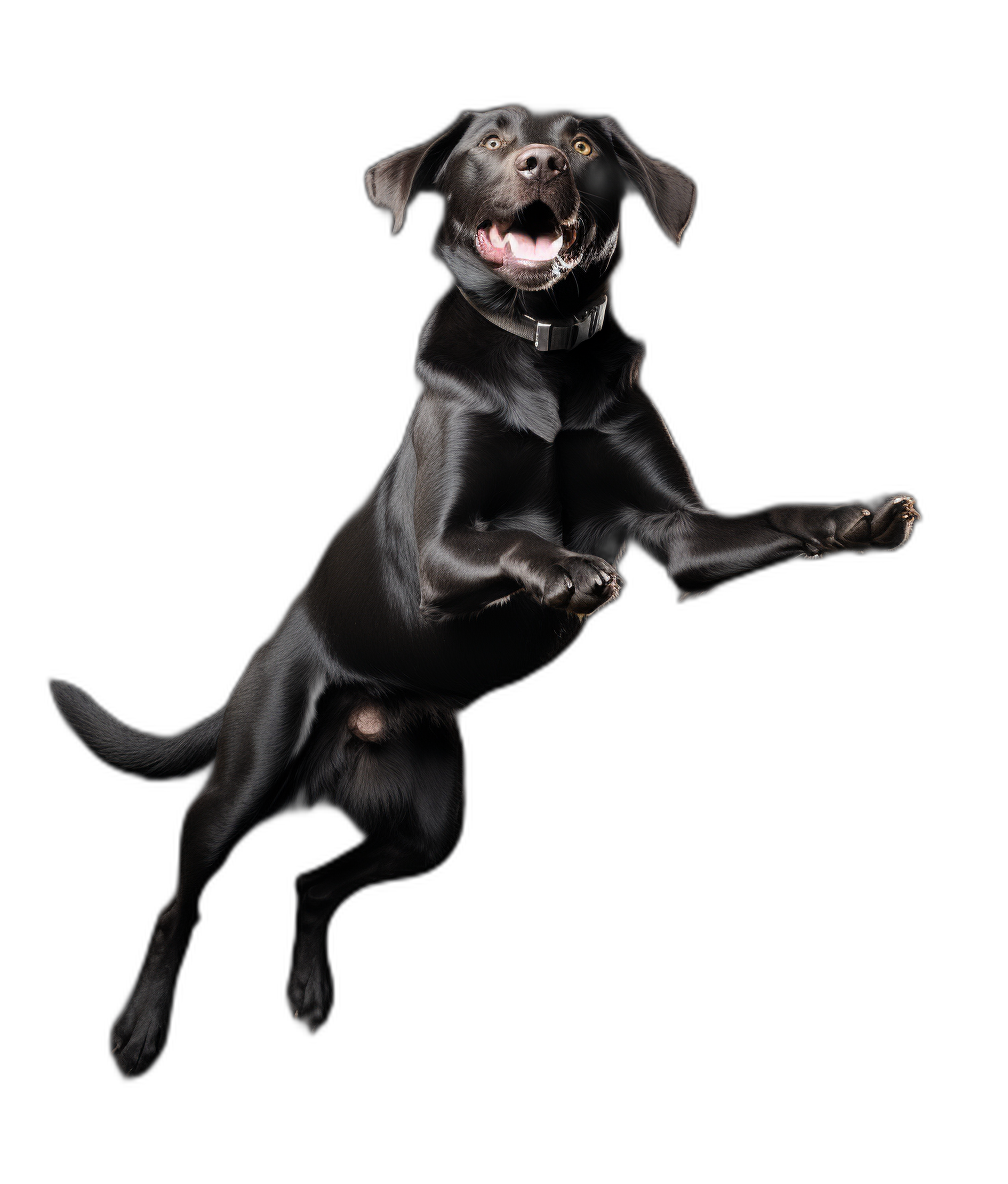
column 518, row 485
column 546, row 485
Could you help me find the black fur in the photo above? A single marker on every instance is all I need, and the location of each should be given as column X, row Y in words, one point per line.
column 491, row 536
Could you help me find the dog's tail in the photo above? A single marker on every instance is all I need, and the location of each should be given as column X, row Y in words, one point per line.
column 124, row 747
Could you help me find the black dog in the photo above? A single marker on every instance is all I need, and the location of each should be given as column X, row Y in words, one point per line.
column 531, row 459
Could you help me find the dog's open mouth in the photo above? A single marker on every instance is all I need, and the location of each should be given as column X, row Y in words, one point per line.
column 533, row 236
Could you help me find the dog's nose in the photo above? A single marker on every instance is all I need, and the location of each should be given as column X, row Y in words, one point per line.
column 540, row 162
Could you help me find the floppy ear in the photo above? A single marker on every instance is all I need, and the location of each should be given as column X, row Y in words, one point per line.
column 670, row 193
column 392, row 182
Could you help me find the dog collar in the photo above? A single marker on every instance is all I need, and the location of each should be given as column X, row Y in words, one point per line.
column 550, row 335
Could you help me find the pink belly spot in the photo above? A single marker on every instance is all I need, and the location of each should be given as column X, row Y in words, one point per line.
column 367, row 722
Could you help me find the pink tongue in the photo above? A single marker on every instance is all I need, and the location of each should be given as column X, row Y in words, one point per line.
column 524, row 246
column 545, row 248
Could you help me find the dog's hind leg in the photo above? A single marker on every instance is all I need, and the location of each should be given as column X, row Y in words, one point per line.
column 406, row 794
column 263, row 725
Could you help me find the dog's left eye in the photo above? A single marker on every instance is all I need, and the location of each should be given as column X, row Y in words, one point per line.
column 583, row 147
column 493, row 143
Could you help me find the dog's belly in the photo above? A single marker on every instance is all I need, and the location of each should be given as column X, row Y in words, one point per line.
column 459, row 658
column 364, row 603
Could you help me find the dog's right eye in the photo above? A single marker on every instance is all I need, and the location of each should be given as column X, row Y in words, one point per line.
column 493, row 142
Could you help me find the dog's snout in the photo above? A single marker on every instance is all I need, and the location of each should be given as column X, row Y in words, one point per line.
column 540, row 162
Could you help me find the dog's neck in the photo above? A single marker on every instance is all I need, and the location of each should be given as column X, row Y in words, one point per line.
column 563, row 299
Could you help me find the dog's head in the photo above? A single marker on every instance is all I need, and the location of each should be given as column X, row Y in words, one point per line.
column 531, row 199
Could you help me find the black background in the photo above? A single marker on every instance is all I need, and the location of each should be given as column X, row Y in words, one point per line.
column 695, row 849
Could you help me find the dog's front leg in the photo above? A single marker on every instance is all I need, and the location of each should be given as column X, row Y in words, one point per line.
column 484, row 506
column 701, row 548
column 463, row 570
column 629, row 475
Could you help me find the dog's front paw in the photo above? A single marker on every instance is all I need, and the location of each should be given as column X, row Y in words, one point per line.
column 829, row 528
column 580, row 584
column 881, row 523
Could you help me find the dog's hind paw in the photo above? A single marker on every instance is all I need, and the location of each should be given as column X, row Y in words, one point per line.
column 310, row 987
column 138, row 1036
